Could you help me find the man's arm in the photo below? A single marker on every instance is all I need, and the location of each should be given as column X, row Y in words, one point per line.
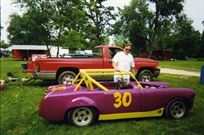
column 132, row 70
column 115, row 61
column 115, row 65
column 132, row 65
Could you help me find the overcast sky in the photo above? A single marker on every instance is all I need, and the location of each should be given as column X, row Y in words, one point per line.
column 193, row 8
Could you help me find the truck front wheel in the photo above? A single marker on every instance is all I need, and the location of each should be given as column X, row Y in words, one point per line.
column 66, row 77
column 145, row 75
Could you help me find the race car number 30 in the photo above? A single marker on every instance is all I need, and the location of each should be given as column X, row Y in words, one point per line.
column 124, row 99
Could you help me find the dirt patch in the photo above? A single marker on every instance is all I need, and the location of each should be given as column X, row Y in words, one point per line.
column 179, row 72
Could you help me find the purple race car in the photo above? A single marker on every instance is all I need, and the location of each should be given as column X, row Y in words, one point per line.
column 85, row 100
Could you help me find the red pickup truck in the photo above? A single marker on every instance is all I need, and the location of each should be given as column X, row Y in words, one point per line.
column 65, row 69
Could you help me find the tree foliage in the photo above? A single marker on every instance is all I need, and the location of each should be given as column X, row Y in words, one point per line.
column 55, row 22
column 99, row 18
column 144, row 26
column 185, row 40
column 148, row 24
column 201, row 49
column 73, row 40
column 3, row 44
column 27, row 29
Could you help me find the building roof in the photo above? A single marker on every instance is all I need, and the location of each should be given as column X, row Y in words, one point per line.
column 53, row 49
column 27, row 47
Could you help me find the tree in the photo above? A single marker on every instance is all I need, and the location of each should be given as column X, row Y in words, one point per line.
column 55, row 17
column 26, row 29
column 185, row 40
column 73, row 40
column 133, row 24
column 89, row 19
column 67, row 18
column 99, row 18
column 34, row 24
column 3, row 44
column 201, row 49
column 145, row 26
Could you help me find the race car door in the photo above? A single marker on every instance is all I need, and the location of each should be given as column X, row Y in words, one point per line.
column 123, row 101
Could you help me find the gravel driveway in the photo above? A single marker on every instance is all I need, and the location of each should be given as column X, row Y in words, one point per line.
column 179, row 72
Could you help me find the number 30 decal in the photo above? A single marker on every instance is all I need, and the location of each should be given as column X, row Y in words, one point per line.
column 122, row 99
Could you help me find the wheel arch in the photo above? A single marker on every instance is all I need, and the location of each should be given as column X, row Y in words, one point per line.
column 66, row 114
column 179, row 98
column 144, row 68
column 80, row 102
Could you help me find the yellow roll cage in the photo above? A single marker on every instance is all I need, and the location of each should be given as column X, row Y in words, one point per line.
column 86, row 74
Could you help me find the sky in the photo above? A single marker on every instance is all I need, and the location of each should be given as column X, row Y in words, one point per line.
column 194, row 9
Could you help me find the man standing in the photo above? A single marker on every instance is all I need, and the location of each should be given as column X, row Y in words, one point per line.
column 123, row 61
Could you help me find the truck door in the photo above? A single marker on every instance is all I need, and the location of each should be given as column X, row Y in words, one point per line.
column 97, row 62
column 108, row 60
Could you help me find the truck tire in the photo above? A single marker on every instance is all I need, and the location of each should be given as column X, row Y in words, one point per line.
column 145, row 75
column 66, row 77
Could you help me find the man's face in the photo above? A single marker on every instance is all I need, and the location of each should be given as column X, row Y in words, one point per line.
column 127, row 49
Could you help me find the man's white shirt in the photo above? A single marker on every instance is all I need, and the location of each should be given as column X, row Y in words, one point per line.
column 124, row 62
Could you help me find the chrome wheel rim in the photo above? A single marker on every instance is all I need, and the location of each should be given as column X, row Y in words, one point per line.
column 177, row 109
column 146, row 77
column 67, row 79
column 82, row 116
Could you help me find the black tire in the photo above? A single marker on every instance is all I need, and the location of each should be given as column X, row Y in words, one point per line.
column 176, row 109
column 82, row 116
column 66, row 77
column 145, row 75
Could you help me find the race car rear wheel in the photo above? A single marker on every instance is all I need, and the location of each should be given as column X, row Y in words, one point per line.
column 176, row 109
column 66, row 77
column 82, row 116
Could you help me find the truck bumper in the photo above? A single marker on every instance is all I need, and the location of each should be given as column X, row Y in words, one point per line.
column 156, row 72
column 27, row 69
column 45, row 76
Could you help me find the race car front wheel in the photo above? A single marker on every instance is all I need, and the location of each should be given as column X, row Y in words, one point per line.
column 176, row 109
column 82, row 116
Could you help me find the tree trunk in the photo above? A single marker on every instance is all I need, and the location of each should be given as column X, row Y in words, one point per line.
column 48, row 50
column 59, row 40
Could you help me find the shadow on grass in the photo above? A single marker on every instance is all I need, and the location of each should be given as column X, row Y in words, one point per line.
column 132, row 120
column 100, row 123
column 39, row 83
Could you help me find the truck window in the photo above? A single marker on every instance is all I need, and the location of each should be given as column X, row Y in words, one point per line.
column 97, row 52
column 113, row 51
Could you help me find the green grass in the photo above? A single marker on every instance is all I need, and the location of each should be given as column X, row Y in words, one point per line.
column 19, row 111
column 9, row 65
column 190, row 65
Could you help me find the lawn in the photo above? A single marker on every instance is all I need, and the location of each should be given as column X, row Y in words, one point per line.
column 19, row 111
column 190, row 65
